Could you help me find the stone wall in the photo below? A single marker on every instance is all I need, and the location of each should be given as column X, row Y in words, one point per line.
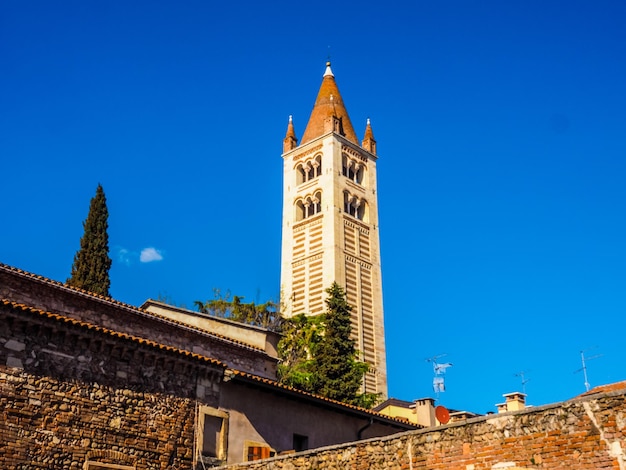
column 585, row 433
column 72, row 393
column 47, row 423
column 39, row 292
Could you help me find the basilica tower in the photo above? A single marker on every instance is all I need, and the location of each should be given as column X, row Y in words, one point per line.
column 330, row 225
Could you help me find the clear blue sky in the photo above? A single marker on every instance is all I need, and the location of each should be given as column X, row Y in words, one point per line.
column 501, row 135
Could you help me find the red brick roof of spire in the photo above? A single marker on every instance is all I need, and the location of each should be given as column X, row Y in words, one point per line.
column 328, row 103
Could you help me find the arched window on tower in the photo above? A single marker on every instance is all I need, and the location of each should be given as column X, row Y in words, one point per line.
column 300, row 210
column 354, row 206
column 358, row 177
column 361, row 211
column 309, row 170
column 309, row 206
column 348, row 203
column 352, row 169
column 317, row 164
column 300, row 174
column 317, row 203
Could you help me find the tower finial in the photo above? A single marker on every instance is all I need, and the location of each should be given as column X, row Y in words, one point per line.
column 369, row 143
column 291, row 141
column 328, row 72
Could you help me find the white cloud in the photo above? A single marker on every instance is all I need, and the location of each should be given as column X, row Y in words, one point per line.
column 150, row 254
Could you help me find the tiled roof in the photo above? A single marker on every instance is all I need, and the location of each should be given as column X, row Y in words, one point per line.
column 614, row 387
column 327, row 401
column 229, row 372
column 90, row 326
column 328, row 103
column 118, row 304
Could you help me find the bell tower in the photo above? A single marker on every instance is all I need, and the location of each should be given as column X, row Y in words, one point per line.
column 330, row 225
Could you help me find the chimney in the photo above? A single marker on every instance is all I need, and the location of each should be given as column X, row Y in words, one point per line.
column 425, row 412
column 513, row 402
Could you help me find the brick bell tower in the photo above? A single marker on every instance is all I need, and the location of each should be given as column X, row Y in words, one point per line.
column 330, row 225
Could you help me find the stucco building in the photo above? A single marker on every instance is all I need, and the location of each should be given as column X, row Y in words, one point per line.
column 330, row 224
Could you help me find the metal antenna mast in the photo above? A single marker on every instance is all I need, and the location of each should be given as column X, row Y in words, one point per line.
column 439, row 369
column 584, row 361
column 524, row 381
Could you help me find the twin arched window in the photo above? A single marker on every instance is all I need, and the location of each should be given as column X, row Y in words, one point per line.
column 355, row 206
column 308, row 170
column 309, row 206
column 352, row 169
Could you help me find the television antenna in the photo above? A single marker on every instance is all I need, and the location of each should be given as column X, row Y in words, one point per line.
column 521, row 375
column 439, row 369
column 584, row 361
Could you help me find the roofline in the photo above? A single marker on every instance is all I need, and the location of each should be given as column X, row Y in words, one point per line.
column 356, row 146
column 107, row 331
column 243, row 377
column 130, row 308
column 227, row 321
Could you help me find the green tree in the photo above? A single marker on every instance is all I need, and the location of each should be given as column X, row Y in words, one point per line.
column 318, row 355
column 265, row 315
column 339, row 372
column 296, row 350
column 90, row 270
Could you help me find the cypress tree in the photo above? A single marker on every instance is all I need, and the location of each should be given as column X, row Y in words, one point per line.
column 90, row 270
column 339, row 374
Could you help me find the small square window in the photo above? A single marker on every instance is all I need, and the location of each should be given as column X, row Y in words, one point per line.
column 300, row 442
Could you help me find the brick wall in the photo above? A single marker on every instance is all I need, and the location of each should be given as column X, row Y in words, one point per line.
column 585, row 433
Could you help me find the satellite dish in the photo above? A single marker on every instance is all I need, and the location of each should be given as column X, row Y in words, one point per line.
column 442, row 414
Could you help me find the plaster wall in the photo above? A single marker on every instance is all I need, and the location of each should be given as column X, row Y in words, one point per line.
column 272, row 419
column 257, row 337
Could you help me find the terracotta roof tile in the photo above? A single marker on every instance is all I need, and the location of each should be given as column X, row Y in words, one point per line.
column 328, row 103
column 107, row 331
column 110, row 300
column 606, row 388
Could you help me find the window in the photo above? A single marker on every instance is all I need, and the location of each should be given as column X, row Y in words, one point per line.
column 309, row 206
column 352, row 169
column 257, row 451
column 211, row 435
column 309, row 170
column 354, row 206
column 300, row 442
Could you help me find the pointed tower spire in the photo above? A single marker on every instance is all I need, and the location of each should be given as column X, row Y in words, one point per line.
column 291, row 141
column 329, row 113
column 369, row 143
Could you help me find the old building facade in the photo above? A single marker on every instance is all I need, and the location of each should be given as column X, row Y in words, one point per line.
column 330, row 224
column 90, row 383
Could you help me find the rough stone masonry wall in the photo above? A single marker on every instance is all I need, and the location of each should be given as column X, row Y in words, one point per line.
column 586, row 433
column 50, row 296
column 46, row 423
column 71, row 394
